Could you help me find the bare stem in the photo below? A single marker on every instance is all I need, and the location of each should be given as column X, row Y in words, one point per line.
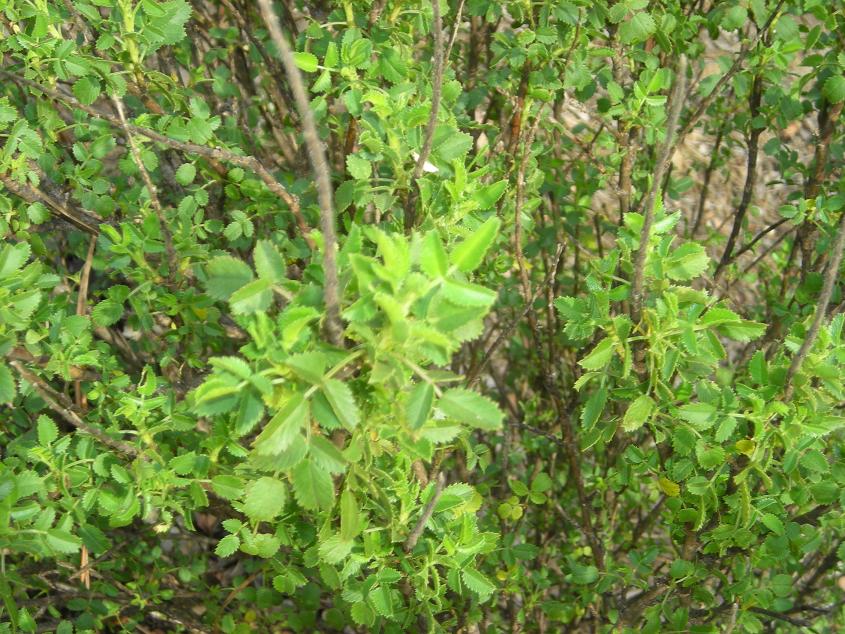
column 428, row 511
column 428, row 140
column 664, row 155
column 317, row 157
column 830, row 277
column 172, row 259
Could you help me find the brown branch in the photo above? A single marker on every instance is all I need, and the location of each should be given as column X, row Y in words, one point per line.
column 428, row 139
column 750, row 176
column 830, row 277
column 708, row 174
column 664, row 155
column 59, row 403
column 77, row 218
column 317, row 157
column 428, row 511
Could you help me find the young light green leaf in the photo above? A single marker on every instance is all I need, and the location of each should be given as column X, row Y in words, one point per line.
column 467, row 255
column 418, row 406
column 350, row 519
column 227, row 546
column 433, row 258
column 638, row 413
column 307, row 62
column 478, row 583
column 47, row 431
column 599, row 356
column 686, row 262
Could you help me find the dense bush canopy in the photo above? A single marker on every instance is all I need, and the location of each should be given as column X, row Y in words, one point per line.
column 400, row 316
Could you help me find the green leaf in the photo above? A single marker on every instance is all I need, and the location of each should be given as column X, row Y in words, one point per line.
column 834, row 88
column 477, row 582
column 686, row 262
column 107, row 312
column 186, row 173
column 781, row 585
column 312, row 486
column 593, row 408
column 255, row 296
column 584, row 575
column 466, row 294
column 734, row 18
column 47, row 430
column 326, row 455
column 359, row 168
column 814, row 460
column 350, row 517
column 167, row 27
column 697, row 413
column 62, row 541
column 599, row 356
column 265, row 499
column 418, row 406
column 226, row 275
column 307, row 62
column 382, row 600
column 638, row 413
column 228, row 486
column 310, row 366
column 227, row 546
column 12, row 258
column 489, row 195
column 86, row 89
column 269, row 263
column 637, row 28
column 467, row 256
column 449, row 144
column 334, row 549
column 471, row 408
column 773, row 523
column 392, row 65
column 285, row 425
column 343, row 402
column 7, row 385
column 433, row 259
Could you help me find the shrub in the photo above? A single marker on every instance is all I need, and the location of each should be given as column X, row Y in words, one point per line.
column 421, row 316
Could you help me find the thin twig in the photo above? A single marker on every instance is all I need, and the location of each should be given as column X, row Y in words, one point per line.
column 750, row 176
column 664, row 155
column 456, row 28
column 58, row 403
column 317, row 157
column 733, row 70
column 473, row 374
column 428, row 139
column 172, row 259
column 82, row 309
column 830, row 277
column 428, row 511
